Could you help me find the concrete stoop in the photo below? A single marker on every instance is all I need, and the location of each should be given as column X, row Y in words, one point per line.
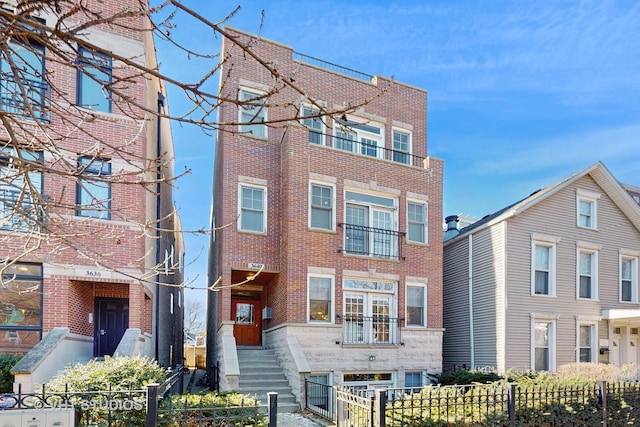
column 260, row 373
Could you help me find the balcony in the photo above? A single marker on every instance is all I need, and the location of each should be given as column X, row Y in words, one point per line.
column 373, row 242
column 364, row 149
column 18, row 212
column 13, row 101
column 371, row 330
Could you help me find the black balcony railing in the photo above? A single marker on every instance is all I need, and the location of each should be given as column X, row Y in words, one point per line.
column 365, row 149
column 369, row 241
column 332, row 67
column 36, row 97
column 371, row 330
column 18, row 212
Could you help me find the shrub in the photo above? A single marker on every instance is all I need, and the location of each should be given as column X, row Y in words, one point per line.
column 464, row 376
column 7, row 362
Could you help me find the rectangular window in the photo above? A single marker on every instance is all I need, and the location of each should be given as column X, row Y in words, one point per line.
column 544, row 346
column 543, row 268
column 361, row 138
column 315, row 125
column 18, row 210
column 416, row 305
column 413, row 381
column 94, row 80
column 253, row 111
column 252, row 209
column 586, row 343
column 321, row 215
column 320, row 299
column 369, row 312
column 629, row 279
column 587, row 274
column 587, row 208
column 319, row 391
column 93, row 194
column 417, row 222
column 20, row 307
column 24, row 90
column 401, row 147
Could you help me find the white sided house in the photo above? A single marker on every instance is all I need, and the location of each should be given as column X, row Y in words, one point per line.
column 547, row 281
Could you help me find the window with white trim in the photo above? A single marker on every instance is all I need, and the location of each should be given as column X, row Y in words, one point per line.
column 401, row 146
column 361, row 138
column 628, row 278
column 416, row 305
column 587, row 209
column 370, row 312
column 587, row 273
column 315, row 125
column 319, row 386
column 322, row 201
column 543, row 277
column 587, row 343
column 417, row 222
column 320, row 293
column 413, row 381
column 253, row 209
column 252, row 112
column 543, row 345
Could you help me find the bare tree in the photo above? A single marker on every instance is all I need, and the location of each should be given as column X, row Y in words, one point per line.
column 194, row 319
column 46, row 129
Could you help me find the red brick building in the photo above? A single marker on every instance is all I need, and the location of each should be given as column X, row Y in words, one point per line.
column 87, row 225
column 328, row 246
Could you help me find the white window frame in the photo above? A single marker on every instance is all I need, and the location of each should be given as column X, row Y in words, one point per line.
column 264, row 207
column 424, row 224
column 632, row 257
column 550, row 243
column 593, row 337
column 332, row 300
column 396, row 151
column 333, row 204
column 369, row 294
column 358, row 128
column 244, row 126
column 591, row 198
column 551, row 331
column 424, row 305
column 315, row 125
column 592, row 251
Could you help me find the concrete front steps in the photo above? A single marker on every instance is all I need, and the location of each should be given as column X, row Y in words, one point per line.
column 260, row 373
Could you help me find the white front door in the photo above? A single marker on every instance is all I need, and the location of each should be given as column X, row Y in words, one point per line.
column 614, row 350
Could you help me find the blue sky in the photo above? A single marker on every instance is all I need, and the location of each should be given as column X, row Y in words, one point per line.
column 520, row 93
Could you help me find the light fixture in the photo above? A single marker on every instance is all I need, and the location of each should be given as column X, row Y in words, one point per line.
column 372, row 357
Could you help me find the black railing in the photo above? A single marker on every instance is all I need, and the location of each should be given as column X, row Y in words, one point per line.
column 320, row 399
column 18, row 212
column 365, row 149
column 369, row 241
column 12, row 99
column 371, row 330
column 332, row 67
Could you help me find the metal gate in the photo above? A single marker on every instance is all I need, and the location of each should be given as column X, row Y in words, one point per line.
column 354, row 408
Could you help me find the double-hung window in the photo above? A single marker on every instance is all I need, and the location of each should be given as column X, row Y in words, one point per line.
column 543, row 265
column 315, row 125
column 586, row 343
column 94, row 80
column 402, row 146
column 93, row 194
column 362, row 138
column 19, row 185
column 587, row 273
column 369, row 312
column 253, row 113
column 628, row 278
column 321, row 214
column 587, row 209
column 371, row 225
column 417, row 222
column 416, row 305
column 320, row 298
column 413, row 381
column 544, row 346
column 23, row 88
column 253, row 209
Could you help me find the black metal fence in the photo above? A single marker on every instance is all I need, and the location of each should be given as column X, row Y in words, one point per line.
column 506, row 404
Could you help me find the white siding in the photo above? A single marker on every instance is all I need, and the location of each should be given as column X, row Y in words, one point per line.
column 456, row 340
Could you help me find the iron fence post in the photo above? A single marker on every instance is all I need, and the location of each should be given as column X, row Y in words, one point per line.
column 152, row 404
column 603, row 396
column 511, row 404
column 306, row 393
column 272, row 398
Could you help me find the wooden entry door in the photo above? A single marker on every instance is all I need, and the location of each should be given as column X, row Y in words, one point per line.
column 247, row 314
column 113, row 321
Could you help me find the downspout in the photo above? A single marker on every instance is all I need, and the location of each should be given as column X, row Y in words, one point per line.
column 471, row 337
column 158, row 217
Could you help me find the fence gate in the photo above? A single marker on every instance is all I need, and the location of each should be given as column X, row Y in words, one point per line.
column 354, row 408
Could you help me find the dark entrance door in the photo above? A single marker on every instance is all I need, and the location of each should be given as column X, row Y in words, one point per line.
column 113, row 321
column 247, row 314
